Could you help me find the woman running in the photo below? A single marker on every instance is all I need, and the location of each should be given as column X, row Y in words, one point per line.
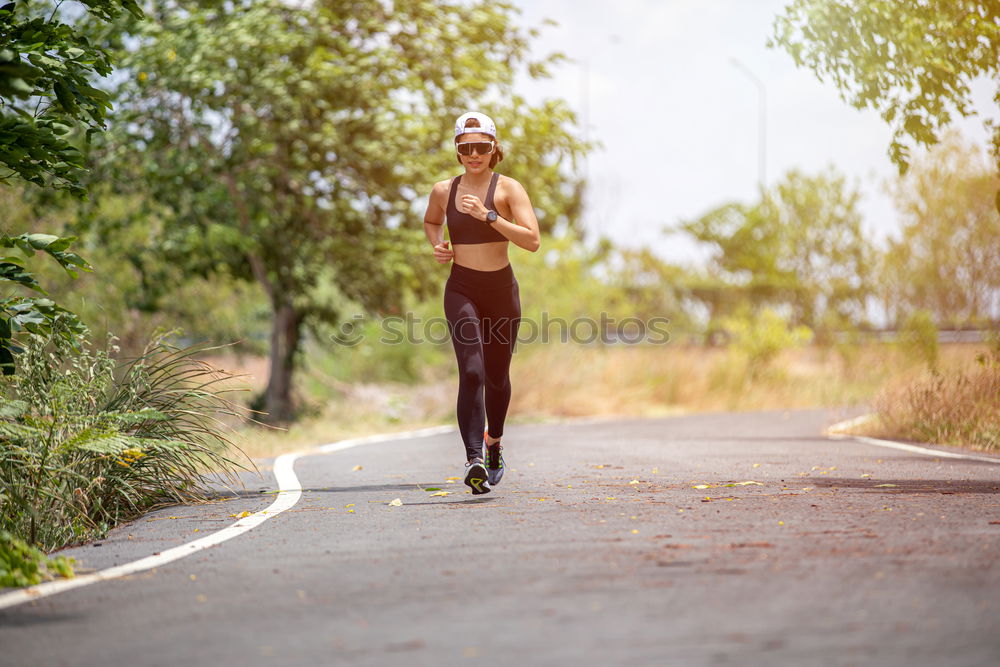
column 485, row 212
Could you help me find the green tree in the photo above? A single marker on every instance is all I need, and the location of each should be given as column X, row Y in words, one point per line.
column 46, row 103
column 946, row 259
column 802, row 245
column 294, row 147
column 913, row 62
column 50, row 64
column 646, row 287
column 823, row 245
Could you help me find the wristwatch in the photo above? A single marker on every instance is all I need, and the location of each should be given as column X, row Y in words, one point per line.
column 491, row 216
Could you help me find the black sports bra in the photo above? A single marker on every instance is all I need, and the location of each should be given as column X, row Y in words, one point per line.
column 462, row 227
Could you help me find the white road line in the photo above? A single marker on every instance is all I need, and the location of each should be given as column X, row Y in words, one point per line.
column 937, row 453
column 383, row 437
column 849, row 424
column 289, row 492
column 844, row 425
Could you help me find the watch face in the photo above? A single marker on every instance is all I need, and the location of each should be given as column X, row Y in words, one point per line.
column 491, row 216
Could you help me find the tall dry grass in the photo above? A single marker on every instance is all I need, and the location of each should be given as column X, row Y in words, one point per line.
column 955, row 406
column 645, row 380
column 568, row 380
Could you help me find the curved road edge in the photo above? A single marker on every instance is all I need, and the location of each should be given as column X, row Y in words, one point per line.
column 835, row 432
column 289, row 493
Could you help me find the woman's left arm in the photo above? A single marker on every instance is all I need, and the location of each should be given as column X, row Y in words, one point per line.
column 524, row 233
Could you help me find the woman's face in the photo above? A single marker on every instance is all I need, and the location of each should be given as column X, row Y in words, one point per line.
column 475, row 163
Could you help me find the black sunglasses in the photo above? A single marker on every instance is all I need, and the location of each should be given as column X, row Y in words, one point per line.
column 480, row 147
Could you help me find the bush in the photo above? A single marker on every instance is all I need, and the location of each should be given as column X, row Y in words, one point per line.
column 87, row 442
column 23, row 565
column 919, row 338
column 762, row 336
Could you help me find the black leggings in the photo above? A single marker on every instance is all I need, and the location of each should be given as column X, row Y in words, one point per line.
column 483, row 309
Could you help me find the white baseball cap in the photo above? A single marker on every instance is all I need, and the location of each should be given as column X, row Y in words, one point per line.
column 486, row 124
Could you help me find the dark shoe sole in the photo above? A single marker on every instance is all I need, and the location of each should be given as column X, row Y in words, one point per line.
column 477, row 479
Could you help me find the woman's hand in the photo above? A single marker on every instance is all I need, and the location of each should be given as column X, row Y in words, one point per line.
column 442, row 253
column 472, row 205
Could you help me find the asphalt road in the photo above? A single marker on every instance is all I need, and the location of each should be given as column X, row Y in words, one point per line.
column 596, row 549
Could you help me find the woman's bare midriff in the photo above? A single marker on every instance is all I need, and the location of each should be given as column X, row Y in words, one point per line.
column 482, row 256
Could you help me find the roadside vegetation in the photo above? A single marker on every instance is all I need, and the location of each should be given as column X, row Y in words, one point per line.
column 87, row 439
column 954, row 406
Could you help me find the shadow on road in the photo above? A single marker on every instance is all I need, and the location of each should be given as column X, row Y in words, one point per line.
column 937, row 486
column 408, row 487
column 386, row 487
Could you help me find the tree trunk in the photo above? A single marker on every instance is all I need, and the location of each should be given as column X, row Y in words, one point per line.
column 284, row 344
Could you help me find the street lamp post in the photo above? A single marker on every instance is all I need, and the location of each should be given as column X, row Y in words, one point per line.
column 762, row 122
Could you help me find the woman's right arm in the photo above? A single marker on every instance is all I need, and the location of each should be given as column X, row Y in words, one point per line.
column 434, row 219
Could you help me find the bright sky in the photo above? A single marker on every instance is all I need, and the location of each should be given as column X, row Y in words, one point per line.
column 679, row 121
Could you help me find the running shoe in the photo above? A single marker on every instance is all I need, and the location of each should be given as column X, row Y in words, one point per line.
column 476, row 478
column 494, row 462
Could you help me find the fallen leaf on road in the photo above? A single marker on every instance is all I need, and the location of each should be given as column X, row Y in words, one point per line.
column 432, row 488
column 349, row 505
column 756, row 465
column 396, row 503
column 241, row 515
column 634, row 481
column 440, row 493
column 877, row 486
column 355, row 468
column 635, row 531
column 451, row 479
column 866, row 474
column 656, row 470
